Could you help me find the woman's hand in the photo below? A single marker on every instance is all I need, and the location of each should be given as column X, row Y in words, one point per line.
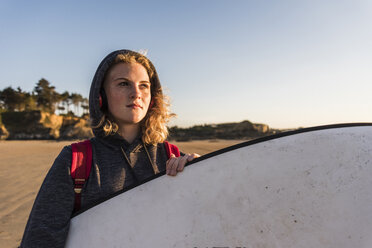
column 176, row 164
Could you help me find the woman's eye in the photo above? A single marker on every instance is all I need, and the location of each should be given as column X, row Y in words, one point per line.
column 145, row 86
column 123, row 83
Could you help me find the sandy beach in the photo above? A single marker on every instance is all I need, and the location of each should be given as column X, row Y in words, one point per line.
column 23, row 166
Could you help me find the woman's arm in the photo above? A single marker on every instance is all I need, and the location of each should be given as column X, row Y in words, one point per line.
column 49, row 219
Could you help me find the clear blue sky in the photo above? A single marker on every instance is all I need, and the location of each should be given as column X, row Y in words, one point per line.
column 283, row 63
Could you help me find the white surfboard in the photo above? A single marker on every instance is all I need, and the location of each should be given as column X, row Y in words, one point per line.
column 307, row 188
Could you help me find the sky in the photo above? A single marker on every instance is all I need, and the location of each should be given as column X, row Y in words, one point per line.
column 283, row 63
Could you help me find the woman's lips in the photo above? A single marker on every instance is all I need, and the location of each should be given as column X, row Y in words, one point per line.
column 133, row 106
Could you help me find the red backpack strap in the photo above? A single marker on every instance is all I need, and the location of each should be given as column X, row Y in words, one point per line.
column 81, row 164
column 171, row 149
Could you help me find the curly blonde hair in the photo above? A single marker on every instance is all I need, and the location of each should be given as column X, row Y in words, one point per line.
column 153, row 125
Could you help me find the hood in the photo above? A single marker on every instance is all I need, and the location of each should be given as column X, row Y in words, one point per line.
column 95, row 111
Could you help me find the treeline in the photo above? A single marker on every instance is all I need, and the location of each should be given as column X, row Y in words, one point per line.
column 44, row 97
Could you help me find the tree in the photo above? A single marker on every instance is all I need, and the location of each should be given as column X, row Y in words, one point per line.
column 2, row 103
column 46, row 96
column 57, row 101
column 10, row 98
column 65, row 98
column 17, row 100
column 85, row 106
column 76, row 99
column 29, row 101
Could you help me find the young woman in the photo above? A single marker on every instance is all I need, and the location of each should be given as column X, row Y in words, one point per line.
column 128, row 113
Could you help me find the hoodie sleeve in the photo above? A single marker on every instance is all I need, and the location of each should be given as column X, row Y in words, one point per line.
column 49, row 220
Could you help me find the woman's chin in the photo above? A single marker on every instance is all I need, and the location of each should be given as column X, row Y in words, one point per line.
column 132, row 121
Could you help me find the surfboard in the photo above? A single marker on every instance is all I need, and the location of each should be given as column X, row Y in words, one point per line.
column 306, row 188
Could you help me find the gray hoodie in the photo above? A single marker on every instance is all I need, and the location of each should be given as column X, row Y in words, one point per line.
column 49, row 219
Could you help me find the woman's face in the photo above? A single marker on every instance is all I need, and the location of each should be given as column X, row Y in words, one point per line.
column 128, row 92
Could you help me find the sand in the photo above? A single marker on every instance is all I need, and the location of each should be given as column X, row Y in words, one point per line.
column 23, row 166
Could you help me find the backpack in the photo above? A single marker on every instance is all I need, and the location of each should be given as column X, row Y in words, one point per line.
column 81, row 165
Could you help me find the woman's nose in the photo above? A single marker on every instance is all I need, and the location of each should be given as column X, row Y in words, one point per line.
column 135, row 92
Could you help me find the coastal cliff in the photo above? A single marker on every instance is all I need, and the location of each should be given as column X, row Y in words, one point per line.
column 234, row 130
column 31, row 125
